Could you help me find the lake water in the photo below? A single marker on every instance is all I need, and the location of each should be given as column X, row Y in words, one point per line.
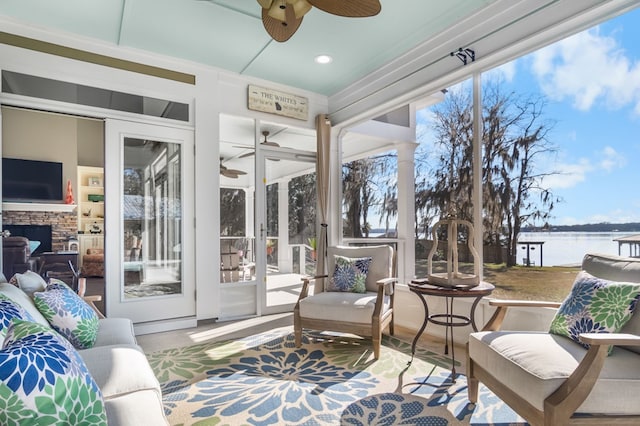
column 568, row 248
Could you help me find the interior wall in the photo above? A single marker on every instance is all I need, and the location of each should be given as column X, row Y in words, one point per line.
column 35, row 135
column 90, row 142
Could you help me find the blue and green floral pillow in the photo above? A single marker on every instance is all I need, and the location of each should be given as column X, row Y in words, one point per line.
column 595, row 305
column 8, row 311
column 350, row 274
column 43, row 380
column 68, row 314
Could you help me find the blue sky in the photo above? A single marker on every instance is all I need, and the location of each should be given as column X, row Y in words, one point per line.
column 592, row 84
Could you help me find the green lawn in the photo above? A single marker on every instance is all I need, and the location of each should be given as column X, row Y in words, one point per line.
column 550, row 283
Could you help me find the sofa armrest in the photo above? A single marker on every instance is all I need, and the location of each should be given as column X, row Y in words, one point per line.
column 91, row 301
column 495, row 322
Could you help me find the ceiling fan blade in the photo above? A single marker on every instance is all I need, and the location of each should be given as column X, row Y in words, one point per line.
column 281, row 31
column 350, row 9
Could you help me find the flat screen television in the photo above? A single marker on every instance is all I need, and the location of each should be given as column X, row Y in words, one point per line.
column 31, row 180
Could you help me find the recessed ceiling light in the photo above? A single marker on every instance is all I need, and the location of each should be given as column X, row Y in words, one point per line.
column 323, row 59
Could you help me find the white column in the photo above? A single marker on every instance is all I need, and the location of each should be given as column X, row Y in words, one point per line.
column 406, row 211
column 477, row 169
column 284, row 251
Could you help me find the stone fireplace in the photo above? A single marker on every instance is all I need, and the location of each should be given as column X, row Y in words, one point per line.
column 62, row 218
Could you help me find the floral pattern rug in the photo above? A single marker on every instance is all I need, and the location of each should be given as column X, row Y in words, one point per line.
column 265, row 380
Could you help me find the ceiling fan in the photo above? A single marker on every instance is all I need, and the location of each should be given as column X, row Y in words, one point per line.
column 230, row 173
column 281, row 18
column 265, row 133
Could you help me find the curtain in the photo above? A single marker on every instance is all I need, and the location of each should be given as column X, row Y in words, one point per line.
column 323, row 134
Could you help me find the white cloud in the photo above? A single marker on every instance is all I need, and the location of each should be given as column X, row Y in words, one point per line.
column 569, row 175
column 588, row 67
column 610, row 159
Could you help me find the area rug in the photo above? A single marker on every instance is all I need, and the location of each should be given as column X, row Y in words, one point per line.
column 331, row 380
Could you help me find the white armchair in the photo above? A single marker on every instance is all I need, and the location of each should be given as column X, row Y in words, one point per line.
column 363, row 314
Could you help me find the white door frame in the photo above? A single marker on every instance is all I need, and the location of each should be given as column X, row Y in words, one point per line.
column 157, row 313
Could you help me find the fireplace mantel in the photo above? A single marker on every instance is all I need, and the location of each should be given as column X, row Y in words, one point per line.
column 38, row 207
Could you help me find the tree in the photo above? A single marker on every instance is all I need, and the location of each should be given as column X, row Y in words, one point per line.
column 514, row 139
column 232, row 215
column 369, row 187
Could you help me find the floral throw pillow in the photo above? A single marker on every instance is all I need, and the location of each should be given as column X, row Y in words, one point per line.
column 69, row 315
column 595, row 305
column 350, row 274
column 8, row 311
column 44, row 381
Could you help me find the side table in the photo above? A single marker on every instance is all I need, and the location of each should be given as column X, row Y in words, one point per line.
column 422, row 288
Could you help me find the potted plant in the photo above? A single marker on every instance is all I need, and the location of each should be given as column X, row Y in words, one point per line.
column 313, row 243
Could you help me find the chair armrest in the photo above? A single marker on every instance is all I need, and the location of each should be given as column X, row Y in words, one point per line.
column 610, row 339
column 495, row 322
column 91, row 301
column 523, row 303
column 572, row 393
column 309, row 279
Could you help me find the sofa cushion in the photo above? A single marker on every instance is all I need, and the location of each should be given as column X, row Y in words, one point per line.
column 537, row 363
column 29, row 282
column 349, row 274
column 348, row 307
column 69, row 315
column 595, row 305
column 8, row 311
column 21, row 298
column 44, row 380
column 120, row 370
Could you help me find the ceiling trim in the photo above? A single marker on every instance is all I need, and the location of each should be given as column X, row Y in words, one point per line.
column 94, row 58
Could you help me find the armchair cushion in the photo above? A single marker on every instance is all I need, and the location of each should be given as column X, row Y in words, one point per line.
column 349, row 274
column 342, row 306
column 381, row 265
column 595, row 305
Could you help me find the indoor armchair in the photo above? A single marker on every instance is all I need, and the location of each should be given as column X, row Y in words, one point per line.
column 334, row 307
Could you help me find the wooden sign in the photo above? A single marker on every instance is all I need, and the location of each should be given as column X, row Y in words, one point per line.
column 276, row 102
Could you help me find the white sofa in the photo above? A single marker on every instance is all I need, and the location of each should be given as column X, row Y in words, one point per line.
column 118, row 365
column 552, row 380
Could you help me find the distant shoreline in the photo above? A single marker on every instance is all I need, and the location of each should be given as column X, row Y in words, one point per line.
column 633, row 227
